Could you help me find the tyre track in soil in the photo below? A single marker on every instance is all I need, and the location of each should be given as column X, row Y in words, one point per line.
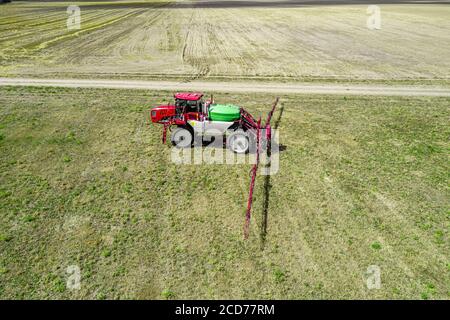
column 50, row 26
column 101, row 26
column 188, row 52
column 88, row 47
column 215, row 45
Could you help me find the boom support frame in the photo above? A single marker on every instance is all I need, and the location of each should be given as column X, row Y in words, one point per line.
column 268, row 136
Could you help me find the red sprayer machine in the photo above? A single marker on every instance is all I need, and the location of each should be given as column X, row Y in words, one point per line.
column 190, row 116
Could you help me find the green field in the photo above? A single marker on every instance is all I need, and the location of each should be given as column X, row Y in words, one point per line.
column 185, row 40
column 85, row 181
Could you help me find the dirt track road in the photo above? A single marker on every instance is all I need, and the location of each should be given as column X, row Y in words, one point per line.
column 267, row 87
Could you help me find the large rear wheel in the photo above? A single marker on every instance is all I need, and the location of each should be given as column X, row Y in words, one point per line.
column 238, row 142
column 181, row 138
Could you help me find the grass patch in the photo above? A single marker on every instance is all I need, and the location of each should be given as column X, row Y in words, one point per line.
column 376, row 246
column 29, row 218
column 279, row 275
column 106, row 253
column 167, row 294
column 3, row 270
column 358, row 177
column 5, row 237
column 67, row 159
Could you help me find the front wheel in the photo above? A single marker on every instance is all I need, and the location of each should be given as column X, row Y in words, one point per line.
column 238, row 142
column 181, row 138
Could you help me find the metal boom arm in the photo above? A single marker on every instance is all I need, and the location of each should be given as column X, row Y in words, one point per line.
column 254, row 169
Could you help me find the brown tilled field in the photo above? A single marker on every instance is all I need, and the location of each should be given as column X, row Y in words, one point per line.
column 203, row 39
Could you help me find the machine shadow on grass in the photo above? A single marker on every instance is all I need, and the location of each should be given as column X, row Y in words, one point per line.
column 267, row 186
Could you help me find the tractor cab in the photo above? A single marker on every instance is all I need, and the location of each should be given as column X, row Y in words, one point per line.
column 192, row 102
column 188, row 106
column 191, row 105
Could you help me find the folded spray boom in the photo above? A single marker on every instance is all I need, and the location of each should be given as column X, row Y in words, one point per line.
column 254, row 170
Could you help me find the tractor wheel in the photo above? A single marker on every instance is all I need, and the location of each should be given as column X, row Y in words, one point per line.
column 238, row 142
column 181, row 138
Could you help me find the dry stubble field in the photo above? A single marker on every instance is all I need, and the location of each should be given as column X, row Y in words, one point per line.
column 203, row 39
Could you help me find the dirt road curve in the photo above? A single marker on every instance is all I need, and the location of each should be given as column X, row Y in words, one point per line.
column 235, row 87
